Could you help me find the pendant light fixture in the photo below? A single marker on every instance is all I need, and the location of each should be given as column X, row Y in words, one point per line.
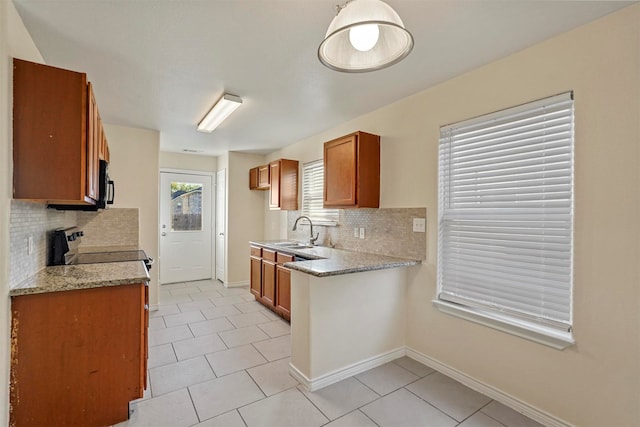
column 365, row 35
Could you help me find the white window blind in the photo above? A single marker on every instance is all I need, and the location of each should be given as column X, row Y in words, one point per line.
column 506, row 212
column 313, row 194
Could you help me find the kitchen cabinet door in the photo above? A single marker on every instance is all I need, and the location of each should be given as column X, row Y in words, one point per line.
column 352, row 171
column 78, row 357
column 259, row 178
column 268, row 283
column 283, row 194
column 55, row 151
column 253, row 178
column 283, row 291
column 274, row 189
column 340, row 172
column 94, row 145
column 256, row 272
column 263, row 177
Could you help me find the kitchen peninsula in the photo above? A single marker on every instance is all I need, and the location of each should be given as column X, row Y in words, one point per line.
column 347, row 311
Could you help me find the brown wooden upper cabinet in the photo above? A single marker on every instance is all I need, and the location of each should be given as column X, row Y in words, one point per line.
column 259, row 178
column 58, row 137
column 283, row 194
column 352, row 171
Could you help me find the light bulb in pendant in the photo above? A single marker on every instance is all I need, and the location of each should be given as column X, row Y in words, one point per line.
column 364, row 37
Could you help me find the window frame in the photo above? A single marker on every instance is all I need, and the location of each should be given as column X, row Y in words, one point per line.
column 479, row 308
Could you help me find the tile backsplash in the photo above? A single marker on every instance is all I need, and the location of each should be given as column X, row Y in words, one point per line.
column 35, row 220
column 103, row 229
column 387, row 231
column 108, row 228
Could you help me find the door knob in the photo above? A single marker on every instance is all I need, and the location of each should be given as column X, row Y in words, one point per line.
column 164, row 234
column 220, row 234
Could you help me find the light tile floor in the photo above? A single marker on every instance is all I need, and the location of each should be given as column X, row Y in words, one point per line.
column 218, row 358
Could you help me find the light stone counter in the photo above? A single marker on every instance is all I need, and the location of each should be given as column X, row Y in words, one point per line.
column 83, row 276
column 332, row 262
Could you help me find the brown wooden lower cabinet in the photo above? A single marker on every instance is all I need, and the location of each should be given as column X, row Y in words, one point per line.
column 78, row 357
column 283, row 286
column 283, row 291
column 256, row 272
column 268, row 278
column 271, row 281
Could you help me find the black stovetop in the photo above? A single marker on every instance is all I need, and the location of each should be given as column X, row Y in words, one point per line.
column 117, row 256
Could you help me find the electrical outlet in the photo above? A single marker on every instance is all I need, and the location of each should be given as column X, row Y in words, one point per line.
column 355, row 232
column 29, row 245
column 362, row 232
column 419, row 225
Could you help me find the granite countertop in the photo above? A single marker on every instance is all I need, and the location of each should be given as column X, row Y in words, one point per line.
column 323, row 261
column 84, row 276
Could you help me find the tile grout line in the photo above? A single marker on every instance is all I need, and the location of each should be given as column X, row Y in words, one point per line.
column 193, row 404
column 365, row 414
column 267, row 361
column 314, row 405
column 432, row 405
column 488, row 415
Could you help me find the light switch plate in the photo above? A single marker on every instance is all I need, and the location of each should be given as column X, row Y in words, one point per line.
column 29, row 245
column 355, row 232
column 419, row 225
column 362, row 232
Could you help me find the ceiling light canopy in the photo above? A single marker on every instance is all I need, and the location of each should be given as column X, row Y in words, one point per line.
column 365, row 35
column 220, row 111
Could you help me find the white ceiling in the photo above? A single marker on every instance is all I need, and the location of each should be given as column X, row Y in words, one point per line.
column 161, row 64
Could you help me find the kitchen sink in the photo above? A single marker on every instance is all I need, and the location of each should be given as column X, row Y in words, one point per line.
column 292, row 245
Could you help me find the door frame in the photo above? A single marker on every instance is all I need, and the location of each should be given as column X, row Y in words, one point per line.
column 213, row 208
column 224, row 229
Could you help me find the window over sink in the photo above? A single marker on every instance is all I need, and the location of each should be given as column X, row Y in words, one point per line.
column 312, row 195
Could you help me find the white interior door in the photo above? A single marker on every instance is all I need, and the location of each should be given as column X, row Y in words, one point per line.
column 185, row 227
column 221, row 222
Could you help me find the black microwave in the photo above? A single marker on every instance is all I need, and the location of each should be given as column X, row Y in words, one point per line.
column 106, row 193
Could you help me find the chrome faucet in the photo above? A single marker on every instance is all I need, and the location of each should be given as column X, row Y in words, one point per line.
column 312, row 240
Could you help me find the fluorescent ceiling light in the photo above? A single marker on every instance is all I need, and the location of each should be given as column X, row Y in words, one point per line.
column 220, row 111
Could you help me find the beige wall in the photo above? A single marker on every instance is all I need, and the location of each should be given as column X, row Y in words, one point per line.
column 14, row 42
column 134, row 166
column 597, row 381
column 245, row 214
column 189, row 162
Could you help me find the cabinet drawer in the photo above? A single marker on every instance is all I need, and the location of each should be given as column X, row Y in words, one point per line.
column 269, row 255
column 256, row 251
column 282, row 258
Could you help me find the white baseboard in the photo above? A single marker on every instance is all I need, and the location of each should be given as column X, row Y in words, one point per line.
column 236, row 284
column 346, row 372
column 154, row 307
column 489, row 391
column 506, row 399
